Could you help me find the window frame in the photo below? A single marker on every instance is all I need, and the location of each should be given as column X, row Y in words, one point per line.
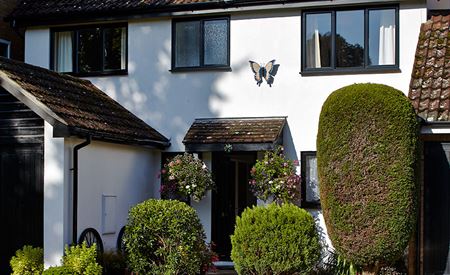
column 350, row 70
column 303, row 202
column 75, row 43
column 8, row 45
column 202, row 66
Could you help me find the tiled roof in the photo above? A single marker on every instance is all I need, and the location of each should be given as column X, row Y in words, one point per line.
column 235, row 130
column 46, row 9
column 76, row 105
column 430, row 82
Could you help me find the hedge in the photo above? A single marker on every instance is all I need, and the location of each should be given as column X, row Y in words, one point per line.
column 277, row 239
column 367, row 147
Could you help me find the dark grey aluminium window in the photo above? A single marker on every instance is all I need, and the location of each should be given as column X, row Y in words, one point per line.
column 5, row 46
column 201, row 44
column 310, row 197
column 350, row 40
column 91, row 50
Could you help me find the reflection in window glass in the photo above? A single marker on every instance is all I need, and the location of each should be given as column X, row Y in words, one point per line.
column 318, row 40
column 88, row 50
column 350, row 38
column 187, row 44
column 382, row 37
column 216, row 41
column 114, row 51
column 312, row 179
column 4, row 48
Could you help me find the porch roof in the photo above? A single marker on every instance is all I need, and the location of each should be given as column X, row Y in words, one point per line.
column 243, row 134
column 75, row 107
column 430, row 82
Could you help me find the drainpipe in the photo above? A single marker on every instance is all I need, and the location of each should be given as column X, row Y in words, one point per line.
column 75, row 187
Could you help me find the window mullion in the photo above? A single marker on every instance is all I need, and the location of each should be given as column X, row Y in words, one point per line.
column 76, row 39
column 102, row 48
column 333, row 40
column 366, row 38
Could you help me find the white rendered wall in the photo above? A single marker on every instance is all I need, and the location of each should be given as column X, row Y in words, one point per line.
column 171, row 101
column 56, row 199
column 127, row 172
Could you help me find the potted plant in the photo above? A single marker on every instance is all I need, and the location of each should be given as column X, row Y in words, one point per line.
column 184, row 177
column 274, row 178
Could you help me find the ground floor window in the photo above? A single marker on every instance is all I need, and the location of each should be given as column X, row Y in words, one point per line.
column 310, row 180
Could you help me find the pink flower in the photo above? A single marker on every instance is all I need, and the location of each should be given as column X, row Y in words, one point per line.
column 285, row 164
column 296, row 162
column 178, row 161
column 163, row 171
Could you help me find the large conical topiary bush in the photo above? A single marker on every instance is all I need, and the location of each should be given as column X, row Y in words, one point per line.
column 367, row 153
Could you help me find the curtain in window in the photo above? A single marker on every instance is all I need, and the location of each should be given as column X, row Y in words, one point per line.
column 386, row 54
column 123, row 45
column 63, row 51
column 313, row 54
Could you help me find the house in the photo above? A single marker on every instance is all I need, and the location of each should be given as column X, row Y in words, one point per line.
column 183, row 67
column 430, row 95
column 11, row 38
column 72, row 160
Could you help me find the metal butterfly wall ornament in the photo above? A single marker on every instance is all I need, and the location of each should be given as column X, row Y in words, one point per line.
column 267, row 72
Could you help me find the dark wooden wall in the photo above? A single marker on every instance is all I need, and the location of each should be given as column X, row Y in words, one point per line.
column 21, row 177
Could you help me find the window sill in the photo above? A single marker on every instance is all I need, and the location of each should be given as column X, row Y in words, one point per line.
column 106, row 73
column 375, row 70
column 201, row 69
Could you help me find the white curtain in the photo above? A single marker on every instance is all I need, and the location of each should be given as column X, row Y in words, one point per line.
column 63, row 51
column 313, row 52
column 123, row 51
column 386, row 50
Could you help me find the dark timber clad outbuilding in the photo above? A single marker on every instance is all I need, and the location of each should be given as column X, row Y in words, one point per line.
column 21, row 177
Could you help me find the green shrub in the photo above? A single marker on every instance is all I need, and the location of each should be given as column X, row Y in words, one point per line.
column 28, row 261
column 113, row 262
column 59, row 270
column 277, row 239
column 164, row 237
column 82, row 259
column 367, row 147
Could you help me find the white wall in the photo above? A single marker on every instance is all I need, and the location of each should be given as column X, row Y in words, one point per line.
column 127, row 172
column 56, row 193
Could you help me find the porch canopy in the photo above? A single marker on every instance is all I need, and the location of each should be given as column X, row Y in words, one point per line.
column 235, row 134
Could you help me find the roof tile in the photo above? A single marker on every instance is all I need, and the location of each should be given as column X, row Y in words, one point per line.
column 430, row 78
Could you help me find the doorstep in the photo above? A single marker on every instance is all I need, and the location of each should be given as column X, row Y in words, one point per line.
column 223, row 268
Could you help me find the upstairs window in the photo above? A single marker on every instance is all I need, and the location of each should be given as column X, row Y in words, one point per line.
column 91, row 50
column 350, row 40
column 5, row 48
column 201, row 44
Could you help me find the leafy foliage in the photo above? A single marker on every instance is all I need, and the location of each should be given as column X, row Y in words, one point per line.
column 274, row 177
column 277, row 239
column 82, row 259
column 165, row 237
column 59, row 270
column 367, row 148
column 113, row 262
column 186, row 175
column 28, row 261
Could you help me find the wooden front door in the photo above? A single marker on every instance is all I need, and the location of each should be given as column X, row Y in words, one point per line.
column 436, row 207
column 232, row 196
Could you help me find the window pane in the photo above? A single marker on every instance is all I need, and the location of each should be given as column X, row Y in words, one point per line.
column 115, row 49
column 382, row 37
column 187, row 52
column 350, row 38
column 63, row 54
column 4, row 49
column 318, row 40
column 89, row 50
column 216, row 42
column 312, row 179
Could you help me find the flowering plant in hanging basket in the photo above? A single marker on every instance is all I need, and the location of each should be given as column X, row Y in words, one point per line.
column 274, row 178
column 185, row 177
